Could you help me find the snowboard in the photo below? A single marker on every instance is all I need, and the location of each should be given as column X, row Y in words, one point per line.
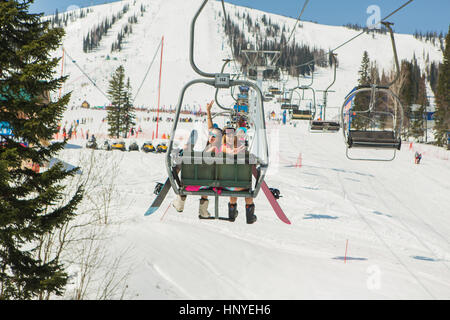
column 273, row 202
column 164, row 189
column 159, row 198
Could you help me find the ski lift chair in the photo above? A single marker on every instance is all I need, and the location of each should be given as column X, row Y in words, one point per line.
column 197, row 173
column 322, row 125
column 373, row 134
column 304, row 114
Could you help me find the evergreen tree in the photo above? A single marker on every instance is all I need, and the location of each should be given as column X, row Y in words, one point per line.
column 362, row 100
column 117, row 94
column 442, row 115
column 433, row 75
column 407, row 95
column 30, row 201
column 419, row 116
column 364, row 72
column 128, row 114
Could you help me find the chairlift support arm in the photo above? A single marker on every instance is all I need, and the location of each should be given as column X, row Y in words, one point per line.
column 227, row 61
column 191, row 51
column 394, row 48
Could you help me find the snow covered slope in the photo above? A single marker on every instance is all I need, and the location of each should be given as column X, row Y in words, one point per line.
column 395, row 217
column 359, row 230
column 172, row 20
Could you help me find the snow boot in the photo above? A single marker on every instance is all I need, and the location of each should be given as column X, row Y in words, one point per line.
column 232, row 212
column 250, row 213
column 203, row 209
column 179, row 202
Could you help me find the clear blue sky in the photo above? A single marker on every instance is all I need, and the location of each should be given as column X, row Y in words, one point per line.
column 422, row 15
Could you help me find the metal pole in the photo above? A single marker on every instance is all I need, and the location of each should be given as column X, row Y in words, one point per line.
column 217, row 89
column 333, row 55
column 191, row 51
column 426, row 125
column 159, row 87
column 216, row 206
column 394, row 48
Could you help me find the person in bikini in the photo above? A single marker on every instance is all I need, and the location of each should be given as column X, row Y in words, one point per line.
column 213, row 146
column 232, row 145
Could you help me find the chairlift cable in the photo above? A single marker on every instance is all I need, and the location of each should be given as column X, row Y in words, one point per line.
column 231, row 42
column 84, row 73
column 148, row 70
column 355, row 37
column 381, row 21
column 295, row 26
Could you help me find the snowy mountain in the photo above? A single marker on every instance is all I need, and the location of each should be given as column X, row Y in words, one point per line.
column 360, row 230
column 172, row 19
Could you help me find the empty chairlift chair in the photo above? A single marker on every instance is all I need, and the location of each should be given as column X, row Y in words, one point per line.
column 304, row 113
column 372, row 116
column 322, row 125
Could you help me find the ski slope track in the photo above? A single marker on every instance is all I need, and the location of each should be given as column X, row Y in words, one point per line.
column 395, row 216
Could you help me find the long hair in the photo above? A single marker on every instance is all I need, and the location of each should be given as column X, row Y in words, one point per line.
column 224, row 141
column 217, row 144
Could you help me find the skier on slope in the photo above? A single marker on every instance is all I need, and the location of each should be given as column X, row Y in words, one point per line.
column 213, row 146
column 417, row 157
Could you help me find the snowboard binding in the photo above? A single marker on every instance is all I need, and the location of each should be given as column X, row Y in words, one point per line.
column 276, row 193
column 158, row 188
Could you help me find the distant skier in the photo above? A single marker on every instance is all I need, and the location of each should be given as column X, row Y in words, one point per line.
column 417, row 157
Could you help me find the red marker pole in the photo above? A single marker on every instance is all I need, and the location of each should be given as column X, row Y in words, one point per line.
column 159, row 86
column 299, row 161
column 165, row 212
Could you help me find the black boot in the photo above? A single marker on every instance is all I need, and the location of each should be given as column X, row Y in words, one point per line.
column 232, row 211
column 250, row 213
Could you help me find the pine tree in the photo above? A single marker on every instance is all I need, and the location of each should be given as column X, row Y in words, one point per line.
column 407, row 95
column 30, row 201
column 442, row 115
column 117, row 94
column 362, row 100
column 419, row 116
column 128, row 115
column 364, row 72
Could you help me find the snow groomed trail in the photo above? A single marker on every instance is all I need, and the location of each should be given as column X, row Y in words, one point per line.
column 360, row 230
column 394, row 215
